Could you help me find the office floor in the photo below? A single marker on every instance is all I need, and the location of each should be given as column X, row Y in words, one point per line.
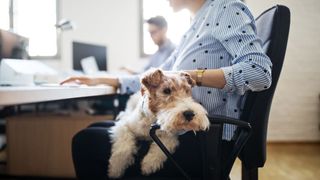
column 285, row 161
column 288, row 161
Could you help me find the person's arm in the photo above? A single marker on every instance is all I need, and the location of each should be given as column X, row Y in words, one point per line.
column 90, row 81
column 250, row 68
column 128, row 70
column 210, row 78
column 126, row 84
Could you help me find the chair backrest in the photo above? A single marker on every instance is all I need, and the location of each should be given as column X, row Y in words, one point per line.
column 273, row 29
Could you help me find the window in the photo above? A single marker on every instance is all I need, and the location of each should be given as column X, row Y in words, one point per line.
column 34, row 19
column 178, row 23
column 4, row 14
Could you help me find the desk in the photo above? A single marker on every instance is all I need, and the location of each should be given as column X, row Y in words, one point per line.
column 39, row 144
column 33, row 94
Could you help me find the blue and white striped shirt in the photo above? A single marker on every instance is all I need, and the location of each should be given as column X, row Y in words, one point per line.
column 223, row 36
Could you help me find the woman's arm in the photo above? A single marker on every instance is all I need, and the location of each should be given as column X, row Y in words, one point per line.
column 90, row 81
column 210, row 78
column 250, row 68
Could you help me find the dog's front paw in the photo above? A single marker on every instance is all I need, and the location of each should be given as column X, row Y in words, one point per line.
column 117, row 166
column 147, row 169
column 150, row 165
column 114, row 172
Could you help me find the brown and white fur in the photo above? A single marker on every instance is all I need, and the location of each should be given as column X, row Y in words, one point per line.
column 165, row 99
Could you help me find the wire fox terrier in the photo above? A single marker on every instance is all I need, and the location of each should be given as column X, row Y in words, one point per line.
column 165, row 99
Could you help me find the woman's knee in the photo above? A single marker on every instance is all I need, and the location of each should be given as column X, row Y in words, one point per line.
column 90, row 153
column 93, row 140
column 105, row 124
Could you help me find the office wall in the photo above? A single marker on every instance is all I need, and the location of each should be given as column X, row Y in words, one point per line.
column 114, row 23
column 296, row 109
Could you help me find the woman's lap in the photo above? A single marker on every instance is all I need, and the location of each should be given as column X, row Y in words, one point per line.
column 106, row 124
column 91, row 150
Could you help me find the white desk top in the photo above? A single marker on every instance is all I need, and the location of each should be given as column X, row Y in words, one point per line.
column 33, row 94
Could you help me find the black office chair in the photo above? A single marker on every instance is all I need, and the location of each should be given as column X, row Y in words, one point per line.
column 250, row 144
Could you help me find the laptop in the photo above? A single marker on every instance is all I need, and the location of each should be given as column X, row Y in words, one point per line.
column 89, row 65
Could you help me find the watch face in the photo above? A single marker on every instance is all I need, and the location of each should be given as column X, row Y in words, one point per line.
column 200, row 71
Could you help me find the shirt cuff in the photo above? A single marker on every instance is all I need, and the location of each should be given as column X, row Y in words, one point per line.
column 129, row 84
column 234, row 79
column 228, row 75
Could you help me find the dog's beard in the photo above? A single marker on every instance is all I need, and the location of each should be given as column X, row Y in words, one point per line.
column 173, row 121
column 165, row 119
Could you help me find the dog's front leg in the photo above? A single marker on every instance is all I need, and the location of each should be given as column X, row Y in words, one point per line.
column 122, row 153
column 155, row 158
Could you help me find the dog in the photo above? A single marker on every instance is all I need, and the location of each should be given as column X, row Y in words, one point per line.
column 165, row 99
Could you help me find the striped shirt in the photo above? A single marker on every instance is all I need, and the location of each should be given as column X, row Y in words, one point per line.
column 223, row 36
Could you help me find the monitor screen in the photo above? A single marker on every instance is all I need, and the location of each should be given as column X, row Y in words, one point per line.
column 13, row 45
column 82, row 50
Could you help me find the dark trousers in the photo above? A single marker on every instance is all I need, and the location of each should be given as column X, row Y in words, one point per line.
column 91, row 151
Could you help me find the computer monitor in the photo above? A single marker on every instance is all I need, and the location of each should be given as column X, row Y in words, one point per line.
column 82, row 50
column 13, row 45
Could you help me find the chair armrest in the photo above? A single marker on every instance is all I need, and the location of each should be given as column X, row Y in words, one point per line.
column 244, row 131
column 241, row 137
column 228, row 120
column 152, row 132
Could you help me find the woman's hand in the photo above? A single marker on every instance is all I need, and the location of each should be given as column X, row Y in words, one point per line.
column 81, row 80
column 90, row 81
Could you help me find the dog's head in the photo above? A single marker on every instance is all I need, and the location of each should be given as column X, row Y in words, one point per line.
column 170, row 100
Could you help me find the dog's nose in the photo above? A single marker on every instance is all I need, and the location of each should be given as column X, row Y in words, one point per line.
column 188, row 115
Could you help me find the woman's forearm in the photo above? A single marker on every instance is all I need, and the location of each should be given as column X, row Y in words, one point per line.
column 210, row 78
column 111, row 81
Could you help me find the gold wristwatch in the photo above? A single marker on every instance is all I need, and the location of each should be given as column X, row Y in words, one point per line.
column 199, row 75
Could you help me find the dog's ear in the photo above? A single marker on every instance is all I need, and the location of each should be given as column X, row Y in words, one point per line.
column 152, row 79
column 188, row 78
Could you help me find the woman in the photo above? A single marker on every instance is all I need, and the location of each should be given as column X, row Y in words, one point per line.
column 221, row 52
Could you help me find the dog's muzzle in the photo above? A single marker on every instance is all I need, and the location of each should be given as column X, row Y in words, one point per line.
column 188, row 115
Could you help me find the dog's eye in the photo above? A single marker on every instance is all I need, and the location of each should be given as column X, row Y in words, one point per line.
column 167, row 91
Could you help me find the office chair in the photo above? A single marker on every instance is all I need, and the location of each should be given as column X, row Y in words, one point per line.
column 250, row 138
